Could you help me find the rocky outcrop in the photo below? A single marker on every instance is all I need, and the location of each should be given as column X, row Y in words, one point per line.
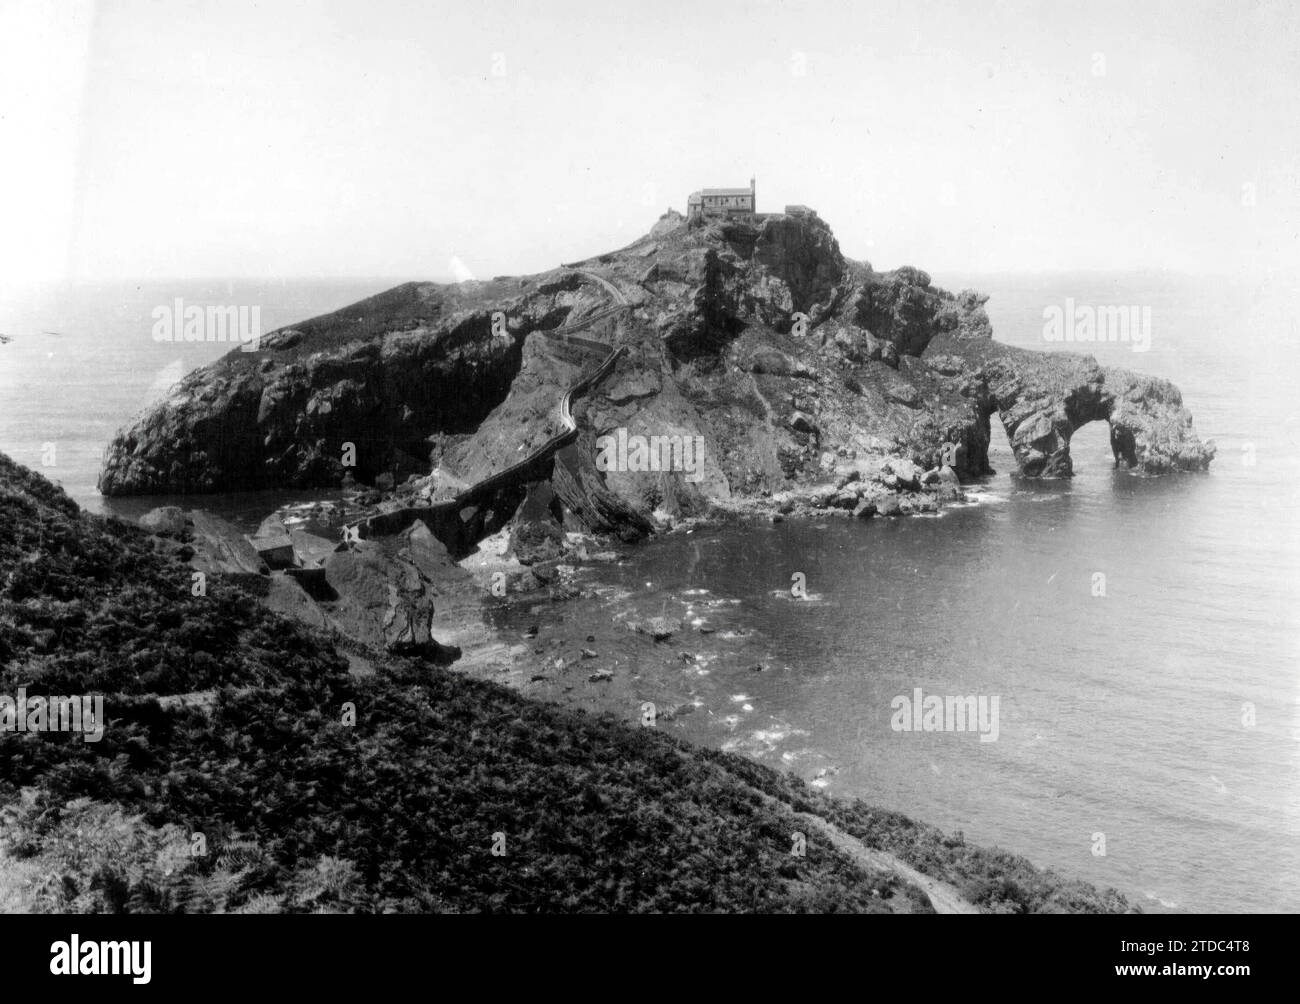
column 1043, row 398
column 219, row 548
column 757, row 339
column 169, row 520
column 588, row 502
column 207, row 543
column 537, row 533
column 359, row 391
column 272, row 544
column 384, row 594
column 381, row 596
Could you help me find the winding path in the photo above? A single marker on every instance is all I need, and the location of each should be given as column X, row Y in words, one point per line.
column 943, row 897
column 562, row 334
column 529, row 468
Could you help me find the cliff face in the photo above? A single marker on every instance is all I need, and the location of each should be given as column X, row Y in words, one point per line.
column 786, row 358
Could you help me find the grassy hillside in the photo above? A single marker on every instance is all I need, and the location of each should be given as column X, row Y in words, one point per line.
column 257, row 793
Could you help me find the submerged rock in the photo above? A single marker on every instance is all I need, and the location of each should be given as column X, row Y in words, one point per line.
column 658, row 628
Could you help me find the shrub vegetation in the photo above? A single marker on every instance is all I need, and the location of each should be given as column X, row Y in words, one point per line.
column 256, row 793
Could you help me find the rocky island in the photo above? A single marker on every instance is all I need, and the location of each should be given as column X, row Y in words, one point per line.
column 795, row 366
column 484, row 436
column 471, row 425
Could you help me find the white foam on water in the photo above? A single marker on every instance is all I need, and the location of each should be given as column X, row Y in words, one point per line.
column 763, row 741
column 979, row 496
column 785, row 594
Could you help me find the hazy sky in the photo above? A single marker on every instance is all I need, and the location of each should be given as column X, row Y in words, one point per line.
column 377, row 138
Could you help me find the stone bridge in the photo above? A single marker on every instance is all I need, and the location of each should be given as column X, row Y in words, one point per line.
column 459, row 522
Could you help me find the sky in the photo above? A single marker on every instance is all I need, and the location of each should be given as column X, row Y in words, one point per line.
column 434, row 139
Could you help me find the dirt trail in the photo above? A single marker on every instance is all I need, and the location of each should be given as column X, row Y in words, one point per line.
column 943, row 897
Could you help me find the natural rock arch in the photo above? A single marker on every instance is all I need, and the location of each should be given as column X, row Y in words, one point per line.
column 1043, row 398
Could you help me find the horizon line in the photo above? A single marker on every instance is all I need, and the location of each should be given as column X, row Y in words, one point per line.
column 446, row 280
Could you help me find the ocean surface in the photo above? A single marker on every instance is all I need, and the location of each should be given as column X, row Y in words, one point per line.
column 1159, row 722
